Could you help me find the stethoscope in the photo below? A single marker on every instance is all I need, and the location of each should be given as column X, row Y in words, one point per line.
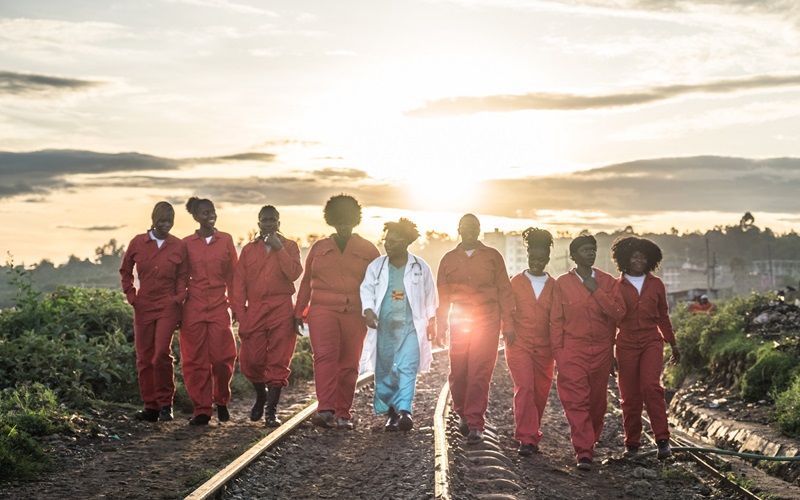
column 416, row 270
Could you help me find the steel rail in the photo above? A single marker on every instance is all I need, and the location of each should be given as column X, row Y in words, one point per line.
column 698, row 459
column 226, row 475
column 206, row 490
column 441, row 460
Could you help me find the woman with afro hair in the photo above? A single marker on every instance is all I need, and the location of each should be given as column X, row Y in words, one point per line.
column 399, row 300
column 530, row 360
column 334, row 269
column 640, row 342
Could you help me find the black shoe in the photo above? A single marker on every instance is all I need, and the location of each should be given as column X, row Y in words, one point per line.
column 585, row 464
column 222, row 413
column 527, row 449
column 391, row 422
column 345, row 423
column 257, row 411
column 165, row 415
column 664, row 450
column 201, row 419
column 463, row 426
column 273, row 396
column 324, row 418
column 404, row 422
column 631, row 451
column 475, row 436
column 146, row 415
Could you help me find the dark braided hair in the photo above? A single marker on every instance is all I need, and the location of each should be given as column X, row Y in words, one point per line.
column 533, row 237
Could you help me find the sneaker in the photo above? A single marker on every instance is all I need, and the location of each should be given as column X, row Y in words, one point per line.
column 664, row 450
column 630, row 451
column 201, row 419
column 146, row 415
column 222, row 413
column 324, row 418
column 463, row 426
column 584, row 464
column 165, row 415
column 527, row 449
column 345, row 423
column 475, row 436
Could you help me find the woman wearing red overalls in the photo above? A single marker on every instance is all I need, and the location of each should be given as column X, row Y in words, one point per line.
column 208, row 349
column 160, row 261
column 263, row 285
column 530, row 360
column 640, row 342
column 334, row 270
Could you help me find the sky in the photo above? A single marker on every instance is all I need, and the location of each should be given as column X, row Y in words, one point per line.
column 561, row 114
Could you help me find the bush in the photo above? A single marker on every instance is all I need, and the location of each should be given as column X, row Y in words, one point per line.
column 27, row 411
column 21, row 457
column 770, row 372
column 302, row 362
column 786, row 415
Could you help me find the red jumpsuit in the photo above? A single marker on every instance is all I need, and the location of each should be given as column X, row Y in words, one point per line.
column 582, row 329
column 640, row 356
column 156, row 311
column 332, row 284
column 474, row 296
column 263, row 285
column 530, row 359
column 208, row 349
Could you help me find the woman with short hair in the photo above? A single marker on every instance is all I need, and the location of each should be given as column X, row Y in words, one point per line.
column 160, row 262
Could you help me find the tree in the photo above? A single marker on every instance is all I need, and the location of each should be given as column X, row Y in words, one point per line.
column 110, row 253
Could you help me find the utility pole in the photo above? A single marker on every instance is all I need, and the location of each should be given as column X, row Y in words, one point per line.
column 769, row 260
column 709, row 269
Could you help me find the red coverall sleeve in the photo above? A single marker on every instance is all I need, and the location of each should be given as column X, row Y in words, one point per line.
column 182, row 275
column 557, row 321
column 289, row 261
column 611, row 301
column 239, row 287
column 664, row 323
column 443, row 311
column 234, row 260
column 304, row 293
column 505, row 295
column 126, row 272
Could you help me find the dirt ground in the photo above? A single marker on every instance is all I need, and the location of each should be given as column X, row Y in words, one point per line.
column 114, row 456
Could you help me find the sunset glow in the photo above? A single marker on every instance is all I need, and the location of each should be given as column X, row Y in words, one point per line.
column 569, row 115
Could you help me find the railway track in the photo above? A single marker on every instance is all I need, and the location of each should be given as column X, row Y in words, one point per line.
column 432, row 461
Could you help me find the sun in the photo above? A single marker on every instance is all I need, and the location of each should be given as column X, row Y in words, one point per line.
column 453, row 191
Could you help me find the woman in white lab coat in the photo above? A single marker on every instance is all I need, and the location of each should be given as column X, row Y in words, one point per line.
column 399, row 300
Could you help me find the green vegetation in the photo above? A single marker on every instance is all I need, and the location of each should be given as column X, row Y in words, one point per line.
column 70, row 350
column 27, row 412
column 717, row 349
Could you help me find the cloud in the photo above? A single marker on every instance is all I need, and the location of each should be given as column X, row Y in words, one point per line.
column 38, row 172
column 111, row 227
column 227, row 5
column 575, row 102
column 240, row 157
column 32, row 85
column 703, row 183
